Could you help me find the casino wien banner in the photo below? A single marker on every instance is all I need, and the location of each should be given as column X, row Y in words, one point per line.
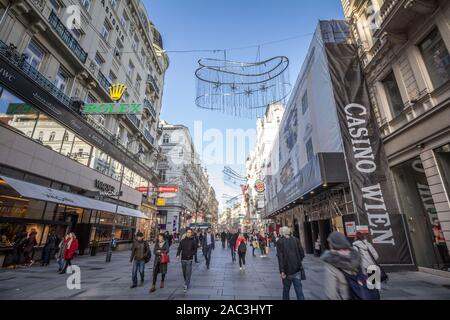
column 367, row 165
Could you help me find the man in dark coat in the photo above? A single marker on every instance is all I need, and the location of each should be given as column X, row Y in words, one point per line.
column 290, row 255
column 187, row 248
column 233, row 239
column 49, row 248
column 208, row 246
column 139, row 252
column 223, row 238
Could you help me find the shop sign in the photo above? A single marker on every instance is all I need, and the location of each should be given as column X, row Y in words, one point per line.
column 169, row 189
column 350, row 229
column 168, row 195
column 161, row 202
column 106, row 189
column 260, row 186
column 116, row 92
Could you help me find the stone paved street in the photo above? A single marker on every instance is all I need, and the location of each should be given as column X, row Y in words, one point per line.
column 223, row 281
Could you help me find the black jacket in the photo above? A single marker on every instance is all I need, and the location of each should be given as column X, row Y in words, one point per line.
column 290, row 255
column 223, row 236
column 188, row 247
column 233, row 239
column 212, row 239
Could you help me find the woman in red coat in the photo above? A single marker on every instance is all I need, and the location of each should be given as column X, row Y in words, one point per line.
column 69, row 252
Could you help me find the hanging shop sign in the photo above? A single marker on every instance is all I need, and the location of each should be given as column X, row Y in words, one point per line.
column 375, row 204
column 169, row 189
column 168, row 195
column 260, row 186
column 116, row 92
column 161, row 202
column 350, row 229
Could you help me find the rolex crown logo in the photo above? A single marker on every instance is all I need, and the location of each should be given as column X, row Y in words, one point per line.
column 116, row 91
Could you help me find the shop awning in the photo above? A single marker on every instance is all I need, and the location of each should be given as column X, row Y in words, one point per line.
column 34, row 191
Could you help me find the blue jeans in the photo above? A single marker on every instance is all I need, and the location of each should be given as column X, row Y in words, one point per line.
column 208, row 251
column 296, row 280
column 60, row 264
column 138, row 265
column 186, row 266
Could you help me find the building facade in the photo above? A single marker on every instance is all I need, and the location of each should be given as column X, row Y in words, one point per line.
column 62, row 169
column 266, row 132
column 404, row 50
column 180, row 168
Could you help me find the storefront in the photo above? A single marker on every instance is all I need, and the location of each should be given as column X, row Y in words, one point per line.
column 38, row 205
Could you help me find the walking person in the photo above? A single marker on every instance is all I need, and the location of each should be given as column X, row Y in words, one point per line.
column 369, row 255
column 19, row 243
column 262, row 241
column 60, row 253
column 187, row 248
column 223, row 238
column 49, row 248
column 161, row 252
column 197, row 241
column 69, row 251
column 241, row 248
column 255, row 243
column 339, row 259
column 317, row 247
column 139, row 253
column 208, row 246
column 233, row 239
column 290, row 255
column 28, row 249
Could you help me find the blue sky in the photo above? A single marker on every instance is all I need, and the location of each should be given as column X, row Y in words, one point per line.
column 223, row 24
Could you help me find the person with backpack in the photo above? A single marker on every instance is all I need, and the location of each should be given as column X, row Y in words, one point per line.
column 241, row 248
column 161, row 251
column 290, row 255
column 139, row 254
column 344, row 279
column 369, row 255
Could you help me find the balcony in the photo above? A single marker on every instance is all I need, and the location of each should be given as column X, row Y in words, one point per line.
column 67, row 37
column 397, row 16
column 148, row 106
column 103, row 81
column 152, row 84
column 149, row 138
column 134, row 120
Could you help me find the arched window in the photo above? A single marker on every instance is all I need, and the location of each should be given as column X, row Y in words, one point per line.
column 52, row 136
column 66, row 136
column 166, row 138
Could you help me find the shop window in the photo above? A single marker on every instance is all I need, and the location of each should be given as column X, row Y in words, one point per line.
column 436, row 58
column 443, row 159
column 50, row 210
column 304, row 103
column 393, row 95
column 309, row 150
column 61, row 80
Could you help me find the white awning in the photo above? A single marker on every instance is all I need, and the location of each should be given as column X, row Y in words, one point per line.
column 34, row 191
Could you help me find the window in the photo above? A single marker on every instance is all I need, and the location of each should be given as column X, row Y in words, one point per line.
column 309, row 150
column 86, row 4
column 373, row 16
column 304, row 102
column 106, row 29
column 118, row 49
column 436, row 58
column 35, row 55
column 124, row 21
column 52, row 136
column 130, row 70
column 41, row 136
column 61, row 80
column 393, row 95
column 66, row 136
column 138, row 82
column 114, row 4
column 162, row 175
column 99, row 60
column 112, row 77
column 77, row 33
column 166, row 138
column 135, row 44
column 55, row 5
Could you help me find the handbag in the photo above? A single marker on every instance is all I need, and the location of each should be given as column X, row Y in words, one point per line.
column 164, row 258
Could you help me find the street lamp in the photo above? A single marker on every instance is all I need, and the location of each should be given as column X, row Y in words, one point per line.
column 113, row 231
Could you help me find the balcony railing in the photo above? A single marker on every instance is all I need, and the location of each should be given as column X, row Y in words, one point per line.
column 67, row 37
column 134, row 119
column 153, row 83
column 148, row 136
column 148, row 105
column 103, row 81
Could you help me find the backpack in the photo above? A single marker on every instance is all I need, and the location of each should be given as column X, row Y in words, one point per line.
column 358, row 289
column 149, row 253
column 242, row 248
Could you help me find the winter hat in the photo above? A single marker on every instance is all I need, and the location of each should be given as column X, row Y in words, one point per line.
column 338, row 241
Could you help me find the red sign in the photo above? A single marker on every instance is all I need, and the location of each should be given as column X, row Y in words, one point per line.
column 170, row 189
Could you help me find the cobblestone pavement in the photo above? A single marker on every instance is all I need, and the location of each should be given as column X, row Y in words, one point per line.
column 223, row 281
